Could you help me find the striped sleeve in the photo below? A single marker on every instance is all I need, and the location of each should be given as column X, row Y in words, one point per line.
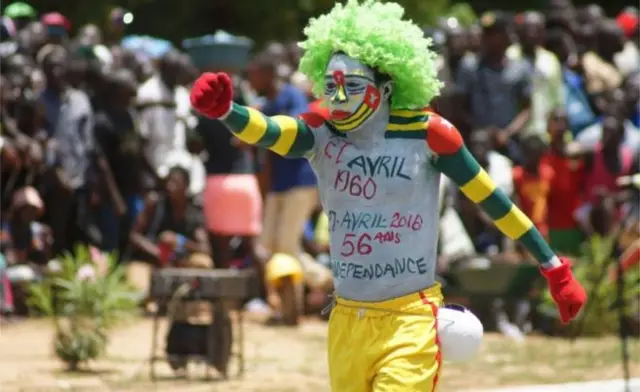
column 284, row 135
column 454, row 160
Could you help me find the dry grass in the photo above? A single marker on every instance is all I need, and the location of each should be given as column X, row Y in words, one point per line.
column 283, row 360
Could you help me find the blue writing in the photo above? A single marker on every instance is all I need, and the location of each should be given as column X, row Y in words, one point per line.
column 354, row 221
column 383, row 165
column 373, row 271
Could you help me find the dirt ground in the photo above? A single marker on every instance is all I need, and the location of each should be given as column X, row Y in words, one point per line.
column 291, row 360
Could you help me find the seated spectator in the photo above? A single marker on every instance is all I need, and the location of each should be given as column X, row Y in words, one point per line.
column 27, row 245
column 29, row 241
column 532, row 183
column 565, row 236
column 190, row 160
column 168, row 230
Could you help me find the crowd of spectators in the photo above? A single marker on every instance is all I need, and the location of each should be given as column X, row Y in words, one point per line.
column 549, row 106
column 100, row 147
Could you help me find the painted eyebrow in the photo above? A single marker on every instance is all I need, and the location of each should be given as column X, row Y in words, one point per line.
column 351, row 76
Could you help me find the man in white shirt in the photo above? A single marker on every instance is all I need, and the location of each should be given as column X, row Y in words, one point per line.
column 548, row 86
column 165, row 112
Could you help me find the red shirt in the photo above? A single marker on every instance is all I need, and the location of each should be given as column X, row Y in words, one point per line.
column 564, row 197
column 533, row 194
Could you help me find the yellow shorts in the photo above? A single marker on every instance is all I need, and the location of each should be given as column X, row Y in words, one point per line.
column 389, row 346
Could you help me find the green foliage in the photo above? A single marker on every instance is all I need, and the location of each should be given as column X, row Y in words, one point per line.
column 594, row 270
column 83, row 304
column 463, row 13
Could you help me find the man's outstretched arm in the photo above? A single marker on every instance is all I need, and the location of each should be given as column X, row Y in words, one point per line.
column 453, row 159
column 212, row 95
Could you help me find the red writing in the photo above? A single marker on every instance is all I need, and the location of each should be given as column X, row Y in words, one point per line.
column 355, row 185
column 334, row 151
column 386, row 237
column 351, row 244
column 414, row 222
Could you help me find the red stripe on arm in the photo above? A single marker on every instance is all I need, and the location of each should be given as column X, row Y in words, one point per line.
column 442, row 137
column 313, row 119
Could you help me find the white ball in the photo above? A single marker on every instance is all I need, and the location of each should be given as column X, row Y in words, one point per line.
column 459, row 332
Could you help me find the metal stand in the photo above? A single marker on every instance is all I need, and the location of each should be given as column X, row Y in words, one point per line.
column 220, row 341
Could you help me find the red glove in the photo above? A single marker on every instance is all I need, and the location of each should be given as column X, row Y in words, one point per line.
column 212, row 94
column 566, row 291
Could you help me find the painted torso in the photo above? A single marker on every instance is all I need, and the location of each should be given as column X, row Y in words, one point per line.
column 381, row 196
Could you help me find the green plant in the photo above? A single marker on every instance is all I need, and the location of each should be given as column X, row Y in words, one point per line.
column 83, row 304
column 595, row 270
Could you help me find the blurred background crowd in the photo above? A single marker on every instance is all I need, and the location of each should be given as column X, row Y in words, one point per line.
column 100, row 147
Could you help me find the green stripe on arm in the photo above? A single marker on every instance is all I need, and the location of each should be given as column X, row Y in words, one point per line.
column 237, row 119
column 533, row 241
column 460, row 166
column 304, row 141
column 497, row 205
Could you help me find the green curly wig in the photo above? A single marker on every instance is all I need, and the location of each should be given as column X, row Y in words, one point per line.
column 374, row 34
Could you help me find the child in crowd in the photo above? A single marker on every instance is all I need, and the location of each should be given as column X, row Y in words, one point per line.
column 532, row 182
column 565, row 235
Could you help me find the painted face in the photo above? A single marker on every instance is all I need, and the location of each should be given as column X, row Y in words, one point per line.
column 351, row 93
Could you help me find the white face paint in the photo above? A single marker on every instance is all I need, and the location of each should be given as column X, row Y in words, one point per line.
column 351, row 93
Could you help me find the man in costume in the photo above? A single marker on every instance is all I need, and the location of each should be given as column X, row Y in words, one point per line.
column 378, row 161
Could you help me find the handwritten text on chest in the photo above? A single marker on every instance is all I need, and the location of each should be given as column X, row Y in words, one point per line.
column 358, row 175
column 398, row 267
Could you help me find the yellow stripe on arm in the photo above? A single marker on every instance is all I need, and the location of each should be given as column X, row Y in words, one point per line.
column 255, row 129
column 479, row 187
column 514, row 224
column 288, row 133
column 286, row 136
